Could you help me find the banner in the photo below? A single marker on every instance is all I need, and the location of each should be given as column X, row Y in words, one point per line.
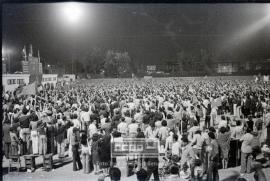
column 28, row 90
column 135, row 147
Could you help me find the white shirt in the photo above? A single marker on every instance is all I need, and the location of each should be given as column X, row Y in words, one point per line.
column 102, row 121
column 76, row 123
column 222, row 123
column 85, row 116
column 132, row 128
column 122, row 127
column 149, row 133
column 176, row 148
column 92, row 129
column 69, row 133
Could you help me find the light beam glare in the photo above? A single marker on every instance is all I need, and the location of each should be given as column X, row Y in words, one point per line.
column 72, row 12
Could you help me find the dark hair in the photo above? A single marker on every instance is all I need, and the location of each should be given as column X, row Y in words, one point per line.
column 212, row 135
column 107, row 120
column 116, row 134
column 174, row 170
column 223, row 117
column 169, row 116
column 164, row 123
column 84, row 139
column 127, row 114
column 71, row 123
column 74, row 130
column 198, row 132
column 175, row 137
column 75, row 116
column 115, row 174
column 238, row 122
column 141, row 175
column 222, row 130
column 212, row 129
column 184, row 139
column 24, row 110
column 71, row 116
column 249, row 130
column 198, row 162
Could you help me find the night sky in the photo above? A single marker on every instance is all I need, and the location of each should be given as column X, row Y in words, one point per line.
column 150, row 33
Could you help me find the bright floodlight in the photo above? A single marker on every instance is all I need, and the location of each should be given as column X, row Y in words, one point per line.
column 6, row 51
column 72, row 12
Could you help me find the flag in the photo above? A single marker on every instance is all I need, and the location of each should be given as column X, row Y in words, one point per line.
column 24, row 52
column 40, row 88
column 28, row 90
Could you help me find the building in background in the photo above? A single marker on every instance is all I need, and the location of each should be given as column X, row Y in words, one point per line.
column 151, row 69
column 10, row 82
column 31, row 65
column 66, row 79
column 49, row 80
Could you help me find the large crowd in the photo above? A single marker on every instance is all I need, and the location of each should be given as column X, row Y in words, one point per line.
column 201, row 125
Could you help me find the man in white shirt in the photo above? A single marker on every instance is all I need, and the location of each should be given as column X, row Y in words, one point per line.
column 122, row 127
column 85, row 117
column 176, row 146
column 127, row 117
column 69, row 134
column 138, row 116
column 223, row 122
column 92, row 128
column 150, row 131
column 132, row 129
column 76, row 122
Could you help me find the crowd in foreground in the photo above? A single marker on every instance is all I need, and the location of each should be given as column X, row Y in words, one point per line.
column 195, row 122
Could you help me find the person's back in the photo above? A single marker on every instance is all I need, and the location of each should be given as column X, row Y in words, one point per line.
column 250, row 124
column 141, row 175
column 246, row 144
column 115, row 174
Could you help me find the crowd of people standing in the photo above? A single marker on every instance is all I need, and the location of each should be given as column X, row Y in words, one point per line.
column 195, row 122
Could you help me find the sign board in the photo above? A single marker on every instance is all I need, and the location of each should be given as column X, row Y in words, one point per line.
column 147, row 77
column 151, row 67
column 143, row 147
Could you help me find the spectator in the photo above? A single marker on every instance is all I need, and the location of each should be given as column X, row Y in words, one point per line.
column 6, row 137
column 75, row 140
column 213, row 158
column 246, row 151
column 86, row 152
column 115, row 174
column 141, row 175
column 224, row 138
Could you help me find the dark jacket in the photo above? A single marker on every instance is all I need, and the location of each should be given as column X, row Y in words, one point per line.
column 6, row 135
column 24, row 121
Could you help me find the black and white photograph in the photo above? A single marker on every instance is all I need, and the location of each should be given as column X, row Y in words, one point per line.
column 95, row 91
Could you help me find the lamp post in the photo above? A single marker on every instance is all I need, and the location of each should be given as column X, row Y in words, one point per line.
column 72, row 13
column 6, row 55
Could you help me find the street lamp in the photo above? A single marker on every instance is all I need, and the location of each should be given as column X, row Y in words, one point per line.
column 73, row 15
column 6, row 54
column 72, row 12
column 49, row 68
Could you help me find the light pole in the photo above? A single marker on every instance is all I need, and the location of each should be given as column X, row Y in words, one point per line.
column 72, row 13
column 6, row 55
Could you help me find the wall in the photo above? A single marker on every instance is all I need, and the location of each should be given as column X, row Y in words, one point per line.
column 12, row 85
column 49, row 79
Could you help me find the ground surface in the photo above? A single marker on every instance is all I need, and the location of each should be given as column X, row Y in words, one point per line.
column 64, row 172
